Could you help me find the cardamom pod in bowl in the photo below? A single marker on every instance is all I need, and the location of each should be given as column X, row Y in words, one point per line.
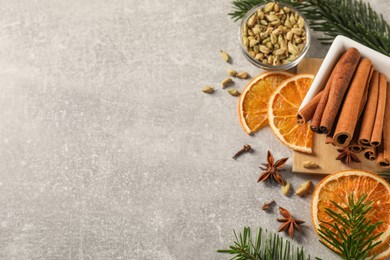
column 274, row 36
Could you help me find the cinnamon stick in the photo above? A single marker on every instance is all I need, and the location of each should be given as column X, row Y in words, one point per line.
column 354, row 145
column 307, row 112
column 341, row 77
column 369, row 114
column 376, row 137
column 353, row 104
column 329, row 137
column 370, row 153
column 316, row 120
column 383, row 159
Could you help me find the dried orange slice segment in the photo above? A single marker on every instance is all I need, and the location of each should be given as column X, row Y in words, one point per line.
column 253, row 102
column 283, row 109
column 338, row 186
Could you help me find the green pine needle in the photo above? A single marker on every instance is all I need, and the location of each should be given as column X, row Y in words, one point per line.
column 352, row 237
column 351, row 18
column 264, row 246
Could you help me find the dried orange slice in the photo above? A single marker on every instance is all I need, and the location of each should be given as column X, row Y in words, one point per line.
column 253, row 102
column 283, row 109
column 338, row 186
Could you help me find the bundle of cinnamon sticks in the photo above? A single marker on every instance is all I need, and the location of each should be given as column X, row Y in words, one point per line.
column 351, row 109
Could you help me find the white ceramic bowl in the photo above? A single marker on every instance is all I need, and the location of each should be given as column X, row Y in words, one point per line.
column 340, row 44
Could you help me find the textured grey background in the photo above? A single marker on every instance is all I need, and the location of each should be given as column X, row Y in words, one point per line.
column 109, row 150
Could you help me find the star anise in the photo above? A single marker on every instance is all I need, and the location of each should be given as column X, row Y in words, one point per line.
column 271, row 169
column 289, row 223
column 346, row 156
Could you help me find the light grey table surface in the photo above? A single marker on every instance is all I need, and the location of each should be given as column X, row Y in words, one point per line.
column 109, row 149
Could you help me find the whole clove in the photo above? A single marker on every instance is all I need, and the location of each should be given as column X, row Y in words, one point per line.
column 266, row 206
column 247, row 148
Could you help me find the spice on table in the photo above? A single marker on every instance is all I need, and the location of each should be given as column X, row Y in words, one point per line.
column 225, row 56
column 208, row 89
column 232, row 73
column 243, row 75
column 346, row 156
column 289, row 223
column 310, row 165
column 247, row 148
column 304, row 189
column 271, row 169
column 226, row 82
column 268, row 205
column 286, row 189
column 234, row 92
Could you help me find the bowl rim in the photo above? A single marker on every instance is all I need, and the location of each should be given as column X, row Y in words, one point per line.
column 258, row 64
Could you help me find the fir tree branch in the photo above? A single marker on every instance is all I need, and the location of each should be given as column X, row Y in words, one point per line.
column 267, row 246
column 352, row 18
column 350, row 233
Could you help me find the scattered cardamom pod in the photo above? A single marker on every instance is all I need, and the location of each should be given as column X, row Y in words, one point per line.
column 226, row 82
column 225, row 56
column 310, row 165
column 234, row 92
column 304, row 189
column 286, row 189
column 208, row 89
column 243, row 75
column 232, row 73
